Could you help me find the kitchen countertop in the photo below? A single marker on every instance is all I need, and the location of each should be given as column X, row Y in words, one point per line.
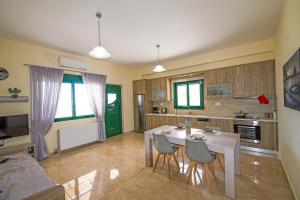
column 212, row 117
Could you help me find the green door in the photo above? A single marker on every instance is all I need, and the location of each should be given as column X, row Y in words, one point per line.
column 113, row 110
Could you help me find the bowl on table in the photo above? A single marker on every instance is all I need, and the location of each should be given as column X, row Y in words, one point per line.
column 198, row 137
column 180, row 126
column 208, row 130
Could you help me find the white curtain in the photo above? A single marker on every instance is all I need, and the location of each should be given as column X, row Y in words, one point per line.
column 45, row 85
column 95, row 85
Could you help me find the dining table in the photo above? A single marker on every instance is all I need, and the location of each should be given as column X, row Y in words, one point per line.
column 220, row 142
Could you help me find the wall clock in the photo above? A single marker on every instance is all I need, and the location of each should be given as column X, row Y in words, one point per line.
column 3, row 74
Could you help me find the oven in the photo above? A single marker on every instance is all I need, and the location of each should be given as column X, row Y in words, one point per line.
column 249, row 130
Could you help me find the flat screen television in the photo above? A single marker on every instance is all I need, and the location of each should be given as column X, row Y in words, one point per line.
column 13, row 126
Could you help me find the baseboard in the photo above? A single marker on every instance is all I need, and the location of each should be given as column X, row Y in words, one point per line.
column 128, row 131
column 289, row 180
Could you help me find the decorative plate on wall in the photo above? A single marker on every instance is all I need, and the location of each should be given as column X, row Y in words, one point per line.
column 3, row 73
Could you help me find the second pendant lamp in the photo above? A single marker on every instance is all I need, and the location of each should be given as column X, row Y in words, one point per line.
column 99, row 51
column 158, row 67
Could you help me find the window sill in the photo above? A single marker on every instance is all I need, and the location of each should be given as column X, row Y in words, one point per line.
column 189, row 108
column 73, row 118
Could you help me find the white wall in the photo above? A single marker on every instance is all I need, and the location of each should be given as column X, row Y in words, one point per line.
column 287, row 42
column 13, row 54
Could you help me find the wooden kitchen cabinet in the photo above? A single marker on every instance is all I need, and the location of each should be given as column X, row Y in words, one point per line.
column 139, row 87
column 218, row 76
column 254, row 79
column 268, row 129
column 154, row 121
column 269, row 135
column 245, row 81
column 200, row 122
column 148, row 97
column 266, row 78
column 225, row 125
column 161, row 89
column 218, row 83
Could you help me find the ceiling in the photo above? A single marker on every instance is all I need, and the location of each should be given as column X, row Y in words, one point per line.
column 132, row 28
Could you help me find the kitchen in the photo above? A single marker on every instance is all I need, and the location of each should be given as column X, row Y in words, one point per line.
column 239, row 99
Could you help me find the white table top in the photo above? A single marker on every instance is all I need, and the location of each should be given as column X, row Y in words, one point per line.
column 215, row 141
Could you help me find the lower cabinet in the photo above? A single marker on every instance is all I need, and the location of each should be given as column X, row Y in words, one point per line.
column 269, row 137
column 154, row 121
column 269, row 134
column 225, row 125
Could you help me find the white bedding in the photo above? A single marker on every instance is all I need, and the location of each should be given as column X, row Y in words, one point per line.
column 22, row 176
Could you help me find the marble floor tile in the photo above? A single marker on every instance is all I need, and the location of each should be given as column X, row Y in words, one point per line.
column 115, row 170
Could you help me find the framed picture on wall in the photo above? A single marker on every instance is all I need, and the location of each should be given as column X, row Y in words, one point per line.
column 291, row 82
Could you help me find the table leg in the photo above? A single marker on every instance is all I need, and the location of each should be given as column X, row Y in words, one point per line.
column 229, row 172
column 149, row 151
column 237, row 159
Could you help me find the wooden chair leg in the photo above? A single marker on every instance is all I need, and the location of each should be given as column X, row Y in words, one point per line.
column 190, row 171
column 164, row 159
column 157, row 158
column 168, row 163
column 195, row 171
column 182, row 155
column 212, row 169
column 207, row 177
column 198, row 175
column 220, row 163
column 176, row 162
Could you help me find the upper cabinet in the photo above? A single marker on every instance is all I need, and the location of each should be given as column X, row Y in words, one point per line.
column 266, row 80
column 218, row 82
column 218, row 76
column 252, row 80
column 139, row 87
column 161, row 89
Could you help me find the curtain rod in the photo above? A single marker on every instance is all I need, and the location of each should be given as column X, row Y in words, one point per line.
column 64, row 68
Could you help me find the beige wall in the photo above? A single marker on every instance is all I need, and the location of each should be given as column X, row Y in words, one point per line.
column 14, row 54
column 248, row 53
column 287, row 42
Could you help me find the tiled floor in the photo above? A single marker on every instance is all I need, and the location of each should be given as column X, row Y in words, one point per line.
column 116, row 170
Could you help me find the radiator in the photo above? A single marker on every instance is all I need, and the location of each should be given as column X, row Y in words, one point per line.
column 76, row 135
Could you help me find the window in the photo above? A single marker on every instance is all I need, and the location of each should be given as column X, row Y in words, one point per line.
column 189, row 95
column 73, row 100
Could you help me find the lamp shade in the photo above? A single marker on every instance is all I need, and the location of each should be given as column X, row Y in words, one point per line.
column 159, row 68
column 99, row 52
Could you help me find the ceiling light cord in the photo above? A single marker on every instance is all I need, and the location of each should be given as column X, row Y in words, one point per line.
column 158, row 53
column 99, row 37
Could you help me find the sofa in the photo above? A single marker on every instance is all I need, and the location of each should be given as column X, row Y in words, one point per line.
column 22, row 178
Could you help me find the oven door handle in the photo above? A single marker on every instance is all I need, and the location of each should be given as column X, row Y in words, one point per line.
column 249, row 127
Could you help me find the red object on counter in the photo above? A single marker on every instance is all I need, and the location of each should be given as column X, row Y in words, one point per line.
column 263, row 100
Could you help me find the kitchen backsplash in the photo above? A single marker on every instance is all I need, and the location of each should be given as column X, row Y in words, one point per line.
column 224, row 107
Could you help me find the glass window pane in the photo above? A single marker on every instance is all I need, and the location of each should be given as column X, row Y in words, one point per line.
column 181, row 95
column 64, row 107
column 194, row 94
column 82, row 104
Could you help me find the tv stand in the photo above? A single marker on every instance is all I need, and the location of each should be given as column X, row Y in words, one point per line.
column 26, row 147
